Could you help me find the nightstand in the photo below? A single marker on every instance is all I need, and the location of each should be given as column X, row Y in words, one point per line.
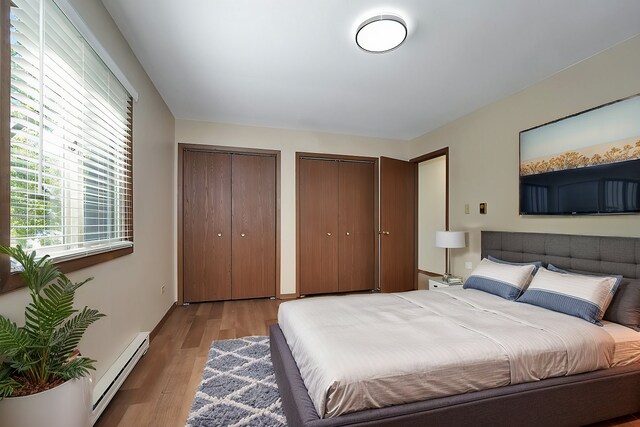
column 437, row 282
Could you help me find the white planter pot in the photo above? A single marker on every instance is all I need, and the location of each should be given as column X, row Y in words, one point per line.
column 68, row 405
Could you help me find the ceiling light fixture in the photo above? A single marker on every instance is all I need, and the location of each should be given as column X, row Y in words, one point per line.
column 381, row 33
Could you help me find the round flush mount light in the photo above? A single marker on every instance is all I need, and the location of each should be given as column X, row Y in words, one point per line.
column 381, row 33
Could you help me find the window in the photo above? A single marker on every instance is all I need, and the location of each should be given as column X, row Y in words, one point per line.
column 70, row 133
column 621, row 196
column 535, row 198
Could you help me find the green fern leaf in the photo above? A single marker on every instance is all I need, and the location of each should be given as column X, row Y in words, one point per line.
column 66, row 339
column 76, row 368
column 36, row 274
column 7, row 384
column 13, row 340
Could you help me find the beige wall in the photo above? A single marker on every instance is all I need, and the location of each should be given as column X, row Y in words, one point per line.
column 432, row 204
column 484, row 149
column 127, row 289
column 483, row 168
column 288, row 142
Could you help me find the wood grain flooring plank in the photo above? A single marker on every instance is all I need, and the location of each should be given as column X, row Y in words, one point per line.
column 203, row 309
column 114, row 412
column 227, row 334
column 192, row 386
column 211, row 333
column 216, row 310
column 138, row 414
column 228, row 315
column 194, row 335
column 148, row 366
column 167, row 408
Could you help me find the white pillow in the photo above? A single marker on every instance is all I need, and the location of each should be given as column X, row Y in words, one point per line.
column 586, row 297
column 505, row 280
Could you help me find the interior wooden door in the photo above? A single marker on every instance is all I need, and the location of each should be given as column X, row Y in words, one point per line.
column 253, row 226
column 318, row 226
column 207, row 226
column 356, row 226
column 397, row 225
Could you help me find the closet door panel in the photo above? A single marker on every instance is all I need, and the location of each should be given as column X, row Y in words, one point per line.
column 356, row 213
column 398, row 270
column 207, row 226
column 318, row 226
column 253, row 226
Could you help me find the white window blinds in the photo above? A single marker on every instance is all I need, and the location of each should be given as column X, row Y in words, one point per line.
column 71, row 139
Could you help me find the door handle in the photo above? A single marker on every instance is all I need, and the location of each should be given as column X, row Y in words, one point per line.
column 385, row 232
column 219, row 234
column 242, row 234
column 348, row 233
column 328, row 234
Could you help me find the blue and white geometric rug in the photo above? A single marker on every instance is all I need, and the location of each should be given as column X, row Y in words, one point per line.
column 238, row 387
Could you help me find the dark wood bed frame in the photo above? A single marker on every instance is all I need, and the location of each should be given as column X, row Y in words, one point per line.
column 572, row 400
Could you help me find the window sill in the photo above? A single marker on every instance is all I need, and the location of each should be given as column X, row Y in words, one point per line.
column 15, row 281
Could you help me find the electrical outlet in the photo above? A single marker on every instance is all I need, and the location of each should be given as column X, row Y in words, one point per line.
column 162, row 289
column 468, row 265
column 466, row 208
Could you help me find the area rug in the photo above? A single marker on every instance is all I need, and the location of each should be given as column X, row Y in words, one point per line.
column 238, row 387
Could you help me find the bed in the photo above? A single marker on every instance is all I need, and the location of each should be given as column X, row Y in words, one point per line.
column 586, row 394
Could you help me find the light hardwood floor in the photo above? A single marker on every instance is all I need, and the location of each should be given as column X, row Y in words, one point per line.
column 160, row 389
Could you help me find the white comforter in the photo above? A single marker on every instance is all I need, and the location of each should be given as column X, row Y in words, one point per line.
column 369, row 351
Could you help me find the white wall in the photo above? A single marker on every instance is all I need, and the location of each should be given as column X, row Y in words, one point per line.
column 288, row 142
column 127, row 289
column 483, row 156
column 432, row 211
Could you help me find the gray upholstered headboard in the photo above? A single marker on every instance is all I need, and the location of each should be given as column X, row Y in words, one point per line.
column 609, row 255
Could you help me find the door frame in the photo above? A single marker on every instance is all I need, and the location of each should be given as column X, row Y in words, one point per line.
column 376, row 209
column 423, row 158
column 230, row 150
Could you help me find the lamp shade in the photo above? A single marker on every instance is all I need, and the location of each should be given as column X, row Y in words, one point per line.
column 450, row 239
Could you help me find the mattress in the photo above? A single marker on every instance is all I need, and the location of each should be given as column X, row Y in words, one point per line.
column 626, row 343
column 369, row 351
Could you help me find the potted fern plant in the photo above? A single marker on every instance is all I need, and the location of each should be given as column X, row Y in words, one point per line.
column 43, row 378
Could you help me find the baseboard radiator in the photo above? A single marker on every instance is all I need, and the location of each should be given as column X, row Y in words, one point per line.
column 111, row 381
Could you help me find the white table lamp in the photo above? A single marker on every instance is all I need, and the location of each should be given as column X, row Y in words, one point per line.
column 450, row 240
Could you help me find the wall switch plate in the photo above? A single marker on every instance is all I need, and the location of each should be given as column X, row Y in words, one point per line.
column 466, row 208
column 483, row 208
column 468, row 265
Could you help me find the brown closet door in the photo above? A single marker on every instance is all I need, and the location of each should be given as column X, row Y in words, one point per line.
column 207, row 226
column 254, row 226
column 356, row 206
column 398, row 271
column 318, row 226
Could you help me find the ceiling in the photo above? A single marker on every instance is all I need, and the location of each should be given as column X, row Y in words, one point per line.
column 294, row 64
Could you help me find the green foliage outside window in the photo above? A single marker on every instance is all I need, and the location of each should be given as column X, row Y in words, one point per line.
column 31, row 207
